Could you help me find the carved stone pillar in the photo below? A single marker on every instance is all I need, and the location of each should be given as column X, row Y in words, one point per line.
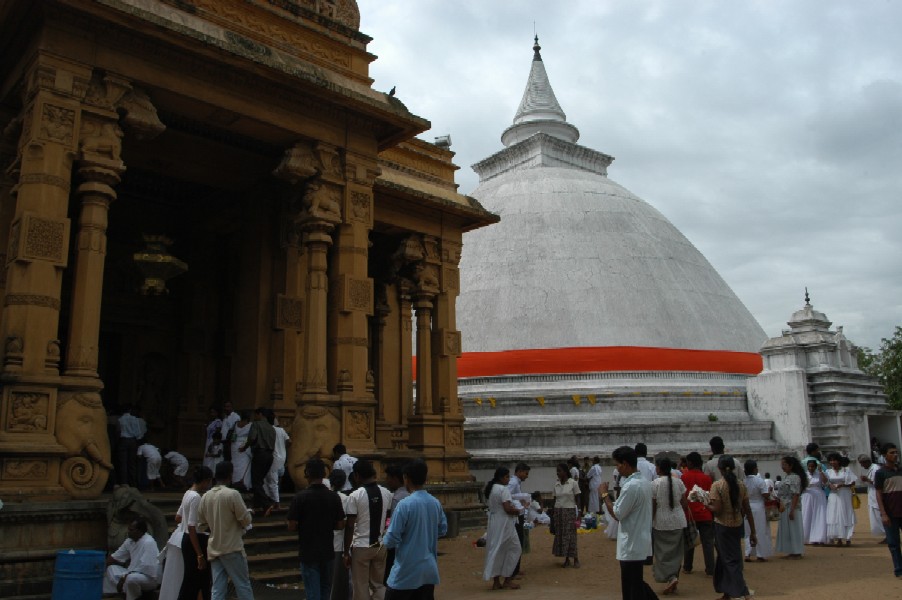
column 38, row 252
column 446, row 350
column 423, row 306
column 426, row 429
column 405, row 384
column 349, row 335
column 100, row 173
column 317, row 240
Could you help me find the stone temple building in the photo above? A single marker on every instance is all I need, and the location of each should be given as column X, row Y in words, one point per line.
column 205, row 201
column 589, row 321
column 812, row 388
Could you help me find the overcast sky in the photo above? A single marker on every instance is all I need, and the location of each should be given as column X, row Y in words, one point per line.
column 769, row 133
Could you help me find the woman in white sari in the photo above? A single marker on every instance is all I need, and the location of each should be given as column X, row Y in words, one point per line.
column 502, row 546
column 758, row 493
column 174, row 566
column 241, row 461
column 840, row 515
column 814, row 506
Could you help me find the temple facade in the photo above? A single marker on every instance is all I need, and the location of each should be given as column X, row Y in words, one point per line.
column 206, row 201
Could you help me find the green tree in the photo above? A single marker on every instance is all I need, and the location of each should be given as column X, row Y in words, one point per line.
column 886, row 365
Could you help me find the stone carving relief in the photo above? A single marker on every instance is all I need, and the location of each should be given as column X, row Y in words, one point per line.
column 38, row 238
column 370, row 381
column 44, row 239
column 360, row 295
column 321, row 201
column 451, row 343
column 14, row 349
column 358, row 426
column 81, row 428
column 57, row 124
column 27, row 412
column 52, row 359
column 315, row 430
column 457, row 466
column 345, row 384
column 101, row 140
column 426, row 278
column 455, row 436
column 285, row 34
column 289, row 313
column 126, row 505
column 359, row 208
column 15, row 469
column 451, row 277
column 140, row 115
column 451, row 252
column 31, row 300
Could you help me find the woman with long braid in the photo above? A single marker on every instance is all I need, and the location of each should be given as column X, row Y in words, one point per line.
column 502, row 546
column 669, row 506
column 729, row 502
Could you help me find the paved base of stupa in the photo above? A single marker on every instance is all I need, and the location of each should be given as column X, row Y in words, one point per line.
column 544, row 419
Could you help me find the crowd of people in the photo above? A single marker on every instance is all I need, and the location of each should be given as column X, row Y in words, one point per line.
column 358, row 537
column 355, row 536
column 660, row 511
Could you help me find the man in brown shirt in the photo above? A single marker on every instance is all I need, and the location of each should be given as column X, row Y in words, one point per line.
column 223, row 511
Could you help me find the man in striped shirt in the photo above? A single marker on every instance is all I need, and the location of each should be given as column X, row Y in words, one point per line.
column 888, row 482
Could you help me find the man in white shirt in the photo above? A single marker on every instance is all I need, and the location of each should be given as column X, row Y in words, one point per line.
column 135, row 566
column 368, row 506
column 643, row 465
column 344, row 461
column 594, row 476
column 633, row 511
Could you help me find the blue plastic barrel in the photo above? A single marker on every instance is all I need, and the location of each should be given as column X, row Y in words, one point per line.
column 79, row 575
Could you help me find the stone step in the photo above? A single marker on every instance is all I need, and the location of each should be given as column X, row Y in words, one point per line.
column 631, row 404
column 541, row 436
column 591, row 419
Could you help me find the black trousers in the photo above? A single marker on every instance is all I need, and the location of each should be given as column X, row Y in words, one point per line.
column 261, row 461
column 519, row 527
column 706, row 534
column 631, row 583
column 127, row 461
column 194, row 581
column 424, row 592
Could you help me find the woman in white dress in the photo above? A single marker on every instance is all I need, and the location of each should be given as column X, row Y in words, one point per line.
column 186, row 526
column 814, row 506
column 594, row 476
column 840, row 516
column 758, row 493
column 241, row 461
column 502, row 546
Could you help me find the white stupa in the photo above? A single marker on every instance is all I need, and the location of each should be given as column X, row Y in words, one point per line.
column 585, row 303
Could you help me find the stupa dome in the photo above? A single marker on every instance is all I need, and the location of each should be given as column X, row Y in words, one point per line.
column 582, row 275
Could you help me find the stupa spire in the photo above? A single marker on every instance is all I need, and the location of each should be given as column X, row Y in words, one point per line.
column 539, row 110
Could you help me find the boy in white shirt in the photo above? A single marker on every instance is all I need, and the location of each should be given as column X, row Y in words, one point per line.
column 154, row 459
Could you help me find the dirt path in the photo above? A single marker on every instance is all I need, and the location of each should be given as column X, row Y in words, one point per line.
column 862, row 571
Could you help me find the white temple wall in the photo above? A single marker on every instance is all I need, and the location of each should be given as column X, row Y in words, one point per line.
column 782, row 397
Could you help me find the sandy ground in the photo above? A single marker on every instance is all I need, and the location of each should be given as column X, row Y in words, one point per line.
column 861, row 571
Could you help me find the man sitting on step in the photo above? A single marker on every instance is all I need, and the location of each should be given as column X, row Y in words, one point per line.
column 134, row 567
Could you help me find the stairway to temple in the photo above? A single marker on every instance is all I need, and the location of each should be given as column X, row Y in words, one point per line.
column 548, row 418
column 271, row 551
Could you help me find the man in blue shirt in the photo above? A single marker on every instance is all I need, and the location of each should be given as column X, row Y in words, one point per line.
column 633, row 510
column 415, row 527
